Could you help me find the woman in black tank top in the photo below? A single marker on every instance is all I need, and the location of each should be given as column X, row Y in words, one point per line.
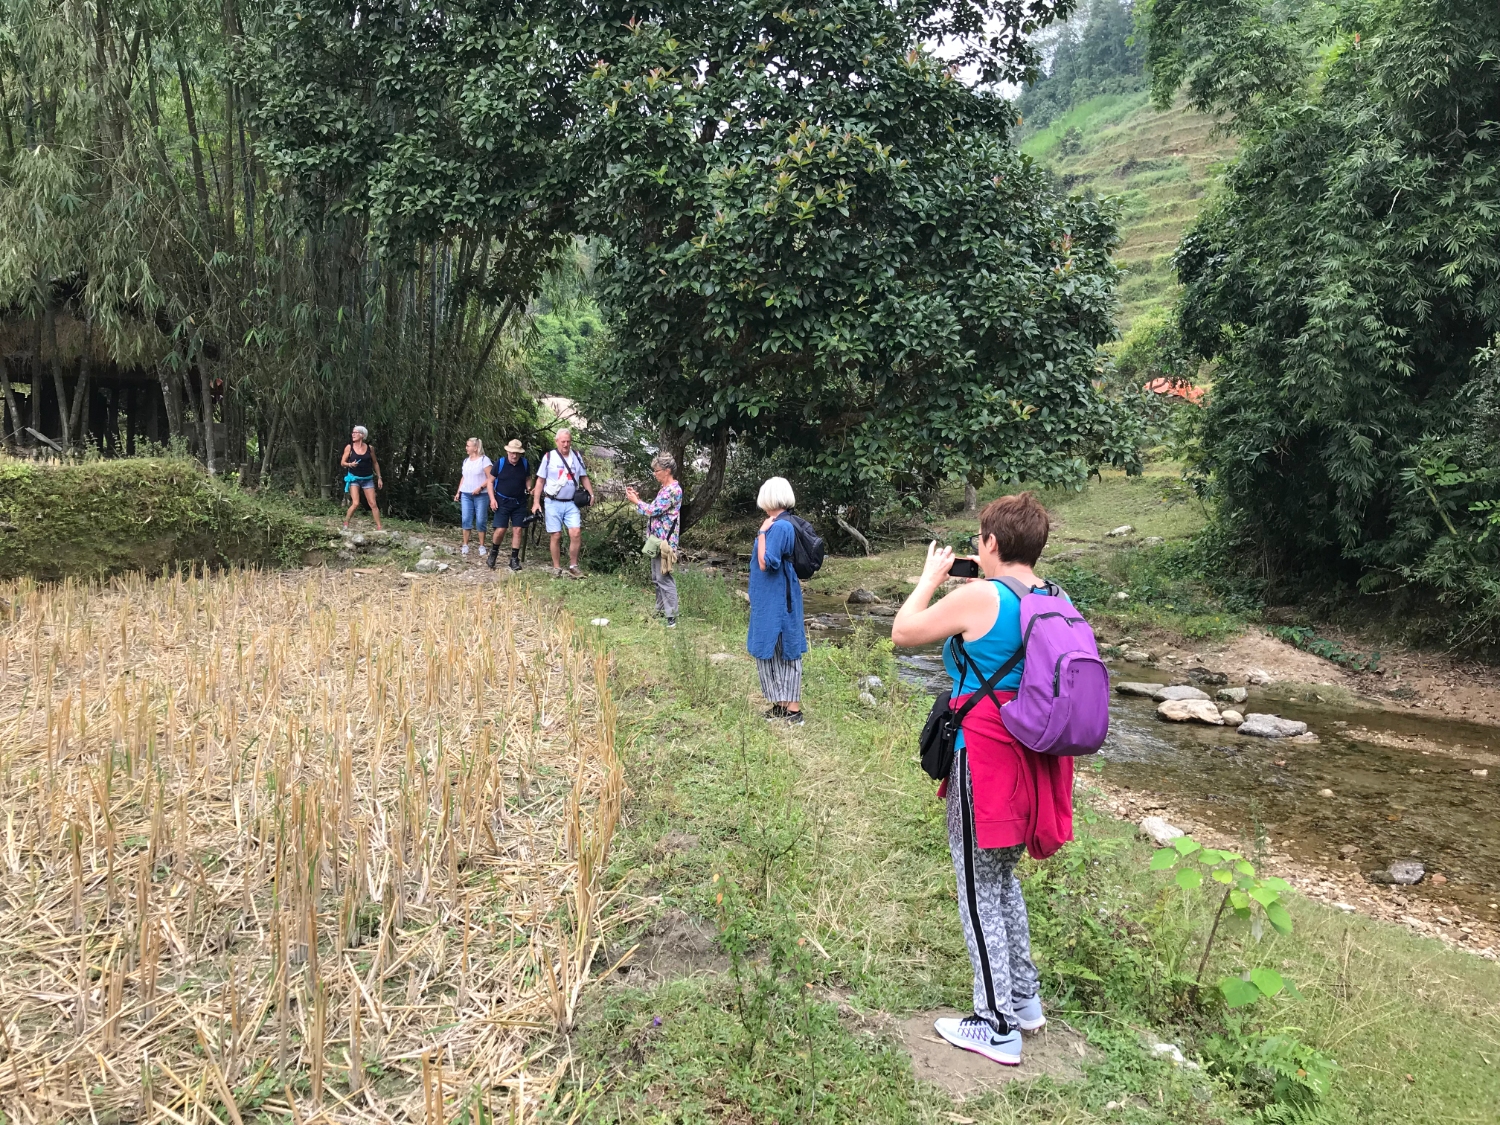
column 361, row 474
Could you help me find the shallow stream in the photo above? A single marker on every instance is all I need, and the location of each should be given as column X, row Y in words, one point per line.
column 1402, row 783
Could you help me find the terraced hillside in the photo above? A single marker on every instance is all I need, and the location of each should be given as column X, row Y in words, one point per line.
column 1159, row 163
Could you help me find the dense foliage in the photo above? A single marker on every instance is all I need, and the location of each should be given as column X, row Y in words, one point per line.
column 1348, row 278
column 1096, row 52
column 150, row 229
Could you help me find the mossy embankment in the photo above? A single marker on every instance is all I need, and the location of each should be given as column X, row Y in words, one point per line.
column 105, row 517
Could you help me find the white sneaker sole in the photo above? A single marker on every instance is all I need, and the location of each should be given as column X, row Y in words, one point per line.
column 1030, row 1025
column 1004, row 1058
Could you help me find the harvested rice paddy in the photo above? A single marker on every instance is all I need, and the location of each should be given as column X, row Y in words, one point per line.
column 295, row 847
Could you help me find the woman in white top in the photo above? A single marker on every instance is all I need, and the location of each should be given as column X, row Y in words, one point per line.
column 476, row 491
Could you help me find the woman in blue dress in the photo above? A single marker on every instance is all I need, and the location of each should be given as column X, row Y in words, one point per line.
column 777, row 638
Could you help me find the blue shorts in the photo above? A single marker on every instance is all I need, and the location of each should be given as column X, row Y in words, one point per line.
column 509, row 511
column 475, row 509
column 351, row 481
column 561, row 514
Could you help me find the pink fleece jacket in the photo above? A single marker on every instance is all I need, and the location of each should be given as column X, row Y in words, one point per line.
column 1020, row 796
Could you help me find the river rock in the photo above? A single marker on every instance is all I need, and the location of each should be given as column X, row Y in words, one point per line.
column 1271, row 726
column 1131, row 687
column 1231, row 717
column 1190, row 711
column 1160, row 832
column 1152, row 541
column 1402, row 872
column 882, row 611
column 429, row 565
column 1201, row 675
column 1257, row 676
column 1232, row 694
column 1136, row 656
column 861, row 596
column 1178, row 691
column 1123, row 529
column 868, row 700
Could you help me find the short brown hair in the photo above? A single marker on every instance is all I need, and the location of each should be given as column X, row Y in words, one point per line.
column 1019, row 526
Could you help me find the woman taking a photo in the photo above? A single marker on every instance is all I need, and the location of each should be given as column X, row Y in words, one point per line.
column 1003, row 799
column 777, row 638
column 476, row 491
column 664, row 517
column 361, row 474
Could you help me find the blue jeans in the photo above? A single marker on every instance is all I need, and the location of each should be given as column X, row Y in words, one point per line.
column 475, row 507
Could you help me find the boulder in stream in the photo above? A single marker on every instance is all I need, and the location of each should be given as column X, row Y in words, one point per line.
column 1190, row 711
column 1131, row 687
column 1136, row 656
column 1402, row 872
column 1178, row 691
column 1231, row 717
column 1159, row 832
column 861, row 596
column 1232, row 694
column 1271, row 726
column 882, row 611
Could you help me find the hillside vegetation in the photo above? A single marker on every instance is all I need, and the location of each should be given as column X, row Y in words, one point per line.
column 1160, row 164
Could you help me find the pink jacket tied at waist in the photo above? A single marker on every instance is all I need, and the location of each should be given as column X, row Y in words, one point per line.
column 1020, row 797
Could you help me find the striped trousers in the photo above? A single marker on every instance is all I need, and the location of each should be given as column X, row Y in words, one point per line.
column 990, row 907
column 780, row 680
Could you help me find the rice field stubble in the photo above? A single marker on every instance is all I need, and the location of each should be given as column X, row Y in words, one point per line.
column 295, row 846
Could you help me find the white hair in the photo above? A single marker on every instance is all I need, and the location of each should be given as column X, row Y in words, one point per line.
column 562, row 431
column 478, row 446
column 776, row 493
column 361, row 431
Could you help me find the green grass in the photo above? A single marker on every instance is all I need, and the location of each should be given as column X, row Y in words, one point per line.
column 819, row 858
column 1159, row 164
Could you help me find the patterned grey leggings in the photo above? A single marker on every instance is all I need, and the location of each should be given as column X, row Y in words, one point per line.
column 989, row 894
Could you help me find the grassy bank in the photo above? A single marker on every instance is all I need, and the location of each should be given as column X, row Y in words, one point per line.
column 106, row 517
column 817, row 860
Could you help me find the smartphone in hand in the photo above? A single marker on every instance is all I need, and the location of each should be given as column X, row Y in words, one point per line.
column 964, row 568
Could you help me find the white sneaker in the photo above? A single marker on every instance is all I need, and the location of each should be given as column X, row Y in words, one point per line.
column 1029, row 1014
column 974, row 1034
column 465, row 550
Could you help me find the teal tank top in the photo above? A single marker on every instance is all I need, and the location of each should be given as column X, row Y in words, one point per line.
column 993, row 649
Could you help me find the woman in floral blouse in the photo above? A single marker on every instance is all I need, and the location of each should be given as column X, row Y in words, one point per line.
column 663, row 520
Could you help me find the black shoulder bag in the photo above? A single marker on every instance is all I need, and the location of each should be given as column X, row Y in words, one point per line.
column 939, row 736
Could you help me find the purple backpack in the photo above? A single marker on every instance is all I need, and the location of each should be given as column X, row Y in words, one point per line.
column 1062, row 706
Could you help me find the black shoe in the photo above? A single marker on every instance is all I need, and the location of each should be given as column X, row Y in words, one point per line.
column 776, row 712
column 671, row 623
column 515, row 562
column 494, row 555
column 794, row 718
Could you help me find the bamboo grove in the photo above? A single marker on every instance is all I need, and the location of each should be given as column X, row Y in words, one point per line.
column 152, row 260
column 287, row 844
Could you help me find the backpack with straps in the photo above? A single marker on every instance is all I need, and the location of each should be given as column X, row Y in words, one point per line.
column 1062, row 705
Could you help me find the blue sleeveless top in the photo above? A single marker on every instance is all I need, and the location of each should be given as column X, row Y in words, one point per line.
column 991, row 650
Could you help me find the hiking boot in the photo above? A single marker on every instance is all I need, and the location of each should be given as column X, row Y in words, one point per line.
column 574, row 572
column 557, row 572
column 494, row 555
column 1029, row 1015
column 515, row 562
column 794, row 718
column 979, row 1035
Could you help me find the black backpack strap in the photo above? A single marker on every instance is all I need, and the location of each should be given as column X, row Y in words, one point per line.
column 987, row 688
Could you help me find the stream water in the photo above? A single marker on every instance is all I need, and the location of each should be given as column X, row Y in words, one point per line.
column 1402, row 784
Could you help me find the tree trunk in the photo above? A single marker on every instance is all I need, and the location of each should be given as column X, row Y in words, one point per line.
column 206, row 395
column 971, row 498
column 320, row 462
column 57, row 382
column 171, row 398
column 697, row 506
column 14, row 418
column 78, row 412
column 853, row 532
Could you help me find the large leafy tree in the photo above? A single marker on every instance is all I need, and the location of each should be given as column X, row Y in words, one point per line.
column 821, row 245
column 1348, row 278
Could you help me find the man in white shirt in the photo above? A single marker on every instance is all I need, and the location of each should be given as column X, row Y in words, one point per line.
column 558, row 479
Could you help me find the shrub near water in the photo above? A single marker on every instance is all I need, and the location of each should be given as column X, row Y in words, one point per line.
column 106, row 517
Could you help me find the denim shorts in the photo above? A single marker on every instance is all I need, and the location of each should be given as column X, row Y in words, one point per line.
column 475, row 507
column 561, row 514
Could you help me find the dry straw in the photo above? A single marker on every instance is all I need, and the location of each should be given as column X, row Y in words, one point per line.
column 299, row 847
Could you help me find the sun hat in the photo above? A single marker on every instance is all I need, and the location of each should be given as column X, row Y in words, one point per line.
column 514, row 446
